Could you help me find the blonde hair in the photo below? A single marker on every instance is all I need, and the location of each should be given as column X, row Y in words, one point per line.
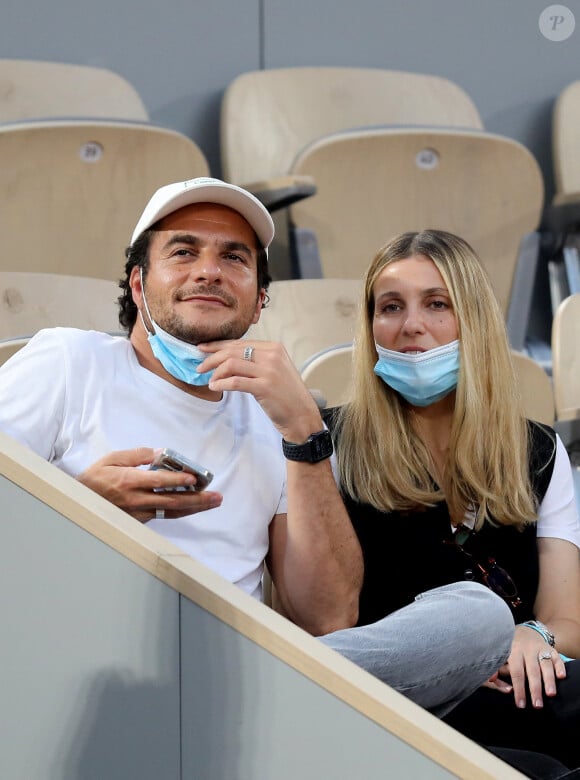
column 381, row 458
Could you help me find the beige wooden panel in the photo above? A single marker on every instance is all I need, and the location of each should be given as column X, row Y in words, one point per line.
column 72, row 192
column 566, row 144
column 31, row 301
column 308, row 315
column 10, row 347
column 330, row 372
column 269, row 116
column 566, row 358
column 535, row 387
column 32, row 89
column 377, row 183
column 229, row 604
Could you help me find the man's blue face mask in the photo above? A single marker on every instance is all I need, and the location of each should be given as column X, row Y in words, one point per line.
column 178, row 358
column 422, row 379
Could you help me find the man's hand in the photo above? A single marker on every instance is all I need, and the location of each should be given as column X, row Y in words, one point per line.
column 117, row 478
column 271, row 377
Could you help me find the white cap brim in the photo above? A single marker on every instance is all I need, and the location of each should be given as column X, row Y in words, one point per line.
column 175, row 196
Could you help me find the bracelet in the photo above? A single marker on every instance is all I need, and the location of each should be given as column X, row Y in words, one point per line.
column 543, row 630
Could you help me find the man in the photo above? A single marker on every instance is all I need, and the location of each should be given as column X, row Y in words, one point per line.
column 196, row 279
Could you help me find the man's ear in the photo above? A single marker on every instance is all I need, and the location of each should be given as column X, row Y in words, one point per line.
column 135, row 283
column 259, row 305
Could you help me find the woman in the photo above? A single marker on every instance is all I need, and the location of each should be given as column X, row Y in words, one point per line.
column 445, row 480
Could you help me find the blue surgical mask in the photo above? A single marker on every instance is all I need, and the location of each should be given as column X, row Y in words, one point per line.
column 178, row 358
column 423, row 378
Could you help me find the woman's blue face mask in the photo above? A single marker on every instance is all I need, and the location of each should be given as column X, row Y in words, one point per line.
column 423, row 378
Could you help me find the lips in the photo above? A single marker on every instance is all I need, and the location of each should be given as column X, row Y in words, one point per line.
column 206, row 296
column 412, row 350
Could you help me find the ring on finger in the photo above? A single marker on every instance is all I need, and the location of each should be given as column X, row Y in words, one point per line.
column 544, row 656
column 160, row 514
column 248, row 353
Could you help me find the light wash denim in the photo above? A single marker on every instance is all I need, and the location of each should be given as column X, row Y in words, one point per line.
column 437, row 650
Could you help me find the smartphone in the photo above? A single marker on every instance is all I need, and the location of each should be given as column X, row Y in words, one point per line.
column 173, row 461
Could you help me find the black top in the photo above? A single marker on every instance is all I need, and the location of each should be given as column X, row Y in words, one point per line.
column 406, row 553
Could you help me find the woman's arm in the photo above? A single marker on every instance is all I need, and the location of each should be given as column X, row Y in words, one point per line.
column 557, row 603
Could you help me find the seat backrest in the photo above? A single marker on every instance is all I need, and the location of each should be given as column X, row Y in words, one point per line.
column 9, row 347
column 32, row 89
column 268, row 116
column 330, row 373
column 31, row 301
column 375, row 184
column 71, row 192
column 566, row 358
column 535, row 387
column 565, row 145
column 308, row 315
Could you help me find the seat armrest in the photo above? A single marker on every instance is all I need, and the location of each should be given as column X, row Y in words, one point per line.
column 563, row 215
column 282, row 191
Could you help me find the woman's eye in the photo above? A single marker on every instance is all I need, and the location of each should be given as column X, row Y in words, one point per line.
column 439, row 304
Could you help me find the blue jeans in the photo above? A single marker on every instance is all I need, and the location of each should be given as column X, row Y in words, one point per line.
column 437, row 650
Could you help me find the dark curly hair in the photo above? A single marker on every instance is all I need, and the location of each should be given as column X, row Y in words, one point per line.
column 138, row 255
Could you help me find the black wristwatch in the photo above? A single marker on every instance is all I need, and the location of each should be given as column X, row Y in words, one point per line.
column 316, row 448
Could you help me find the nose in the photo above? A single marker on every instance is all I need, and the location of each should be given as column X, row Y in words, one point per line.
column 414, row 322
column 207, row 266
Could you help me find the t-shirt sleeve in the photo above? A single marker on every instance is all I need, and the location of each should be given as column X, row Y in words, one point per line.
column 32, row 390
column 558, row 512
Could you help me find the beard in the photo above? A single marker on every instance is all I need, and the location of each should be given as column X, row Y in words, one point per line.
column 200, row 332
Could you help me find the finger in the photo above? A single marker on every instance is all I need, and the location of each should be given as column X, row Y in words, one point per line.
column 174, row 505
column 518, row 680
column 546, row 661
column 498, row 685
column 139, row 456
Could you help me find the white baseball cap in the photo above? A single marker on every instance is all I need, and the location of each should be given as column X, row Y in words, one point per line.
column 171, row 197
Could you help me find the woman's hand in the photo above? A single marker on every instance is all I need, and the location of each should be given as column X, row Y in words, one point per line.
column 533, row 660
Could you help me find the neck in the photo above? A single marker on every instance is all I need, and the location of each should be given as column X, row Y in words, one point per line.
column 433, row 426
column 148, row 360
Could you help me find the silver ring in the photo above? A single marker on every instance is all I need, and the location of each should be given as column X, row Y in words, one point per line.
column 160, row 514
column 545, row 656
column 248, row 353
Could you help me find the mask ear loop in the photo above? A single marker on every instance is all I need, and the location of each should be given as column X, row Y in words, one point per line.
column 151, row 332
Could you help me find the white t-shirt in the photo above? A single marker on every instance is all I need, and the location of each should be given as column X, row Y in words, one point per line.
column 74, row 396
column 558, row 512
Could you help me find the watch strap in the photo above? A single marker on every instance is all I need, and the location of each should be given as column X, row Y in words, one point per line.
column 317, row 447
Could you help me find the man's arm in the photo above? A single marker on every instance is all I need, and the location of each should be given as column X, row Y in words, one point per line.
column 315, row 559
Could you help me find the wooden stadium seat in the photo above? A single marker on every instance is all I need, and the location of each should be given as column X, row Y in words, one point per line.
column 9, row 347
column 373, row 184
column 31, row 301
column 32, row 89
column 535, row 388
column 566, row 358
column 72, row 191
column 565, row 148
column 308, row 315
column 269, row 116
column 330, row 373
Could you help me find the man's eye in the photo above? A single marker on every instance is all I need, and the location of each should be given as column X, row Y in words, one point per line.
column 235, row 258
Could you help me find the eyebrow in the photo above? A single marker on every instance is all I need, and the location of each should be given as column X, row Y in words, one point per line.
column 194, row 241
column 428, row 291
